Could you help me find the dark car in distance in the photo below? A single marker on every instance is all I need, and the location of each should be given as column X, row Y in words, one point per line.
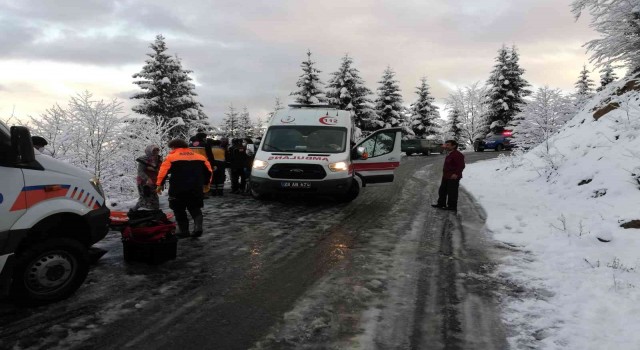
column 422, row 146
column 494, row 142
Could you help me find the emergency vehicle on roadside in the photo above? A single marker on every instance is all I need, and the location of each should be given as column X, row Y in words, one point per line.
column 50, row 214
column 311, row 149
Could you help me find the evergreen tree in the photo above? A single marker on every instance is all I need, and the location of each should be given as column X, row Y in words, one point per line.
column 618, row 22
column 230, row 125
column 168, row 94
column 454, row 126
column 310, row 86
column 607, row 77
column 507, row 89
column 407, row 119
column 519, row 86
column 584, row 87
column 258, row 128
column 498, row 113
column 245, row 126
column 388, row 102
column 425, row 112
column 346, row 90
column 278, row 106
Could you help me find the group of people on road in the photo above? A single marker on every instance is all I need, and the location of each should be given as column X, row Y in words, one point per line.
column 197, row 171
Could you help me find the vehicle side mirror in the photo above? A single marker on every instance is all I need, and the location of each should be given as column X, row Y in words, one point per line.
column 359, row 153
column 22, row 145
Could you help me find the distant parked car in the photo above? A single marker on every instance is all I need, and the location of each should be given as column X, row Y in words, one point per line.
column 421, row 146
column 494, row 142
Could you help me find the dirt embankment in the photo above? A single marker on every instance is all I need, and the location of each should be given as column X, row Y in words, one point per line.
column 609, row 104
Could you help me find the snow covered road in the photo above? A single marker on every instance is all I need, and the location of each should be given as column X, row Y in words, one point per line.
column 386, row 271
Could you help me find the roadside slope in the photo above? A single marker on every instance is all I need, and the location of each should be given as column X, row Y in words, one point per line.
column 555, row 205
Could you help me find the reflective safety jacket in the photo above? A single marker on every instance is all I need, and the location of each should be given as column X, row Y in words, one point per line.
column 200, row 145
column 189, row 173
column 218, row 153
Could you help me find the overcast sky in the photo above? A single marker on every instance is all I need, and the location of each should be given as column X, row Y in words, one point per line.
column 249, row 52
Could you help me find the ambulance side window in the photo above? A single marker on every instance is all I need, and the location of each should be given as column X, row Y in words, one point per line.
column 380, row 144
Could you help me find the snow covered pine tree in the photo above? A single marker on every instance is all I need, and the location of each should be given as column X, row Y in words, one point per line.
column 346, row 90
column 168, row 93
column 607, row 77
column 245, row 126
column 388, row 102
column 507, row 89
column 455, row 130
column 230, row 124
column 584, row 88
column 425, row 112
column 310, row 86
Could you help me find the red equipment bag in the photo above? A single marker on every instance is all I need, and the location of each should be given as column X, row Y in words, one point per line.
column 120, row 219
column 148, row 234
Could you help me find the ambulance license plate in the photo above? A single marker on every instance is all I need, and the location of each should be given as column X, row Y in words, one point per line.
column 295, row 185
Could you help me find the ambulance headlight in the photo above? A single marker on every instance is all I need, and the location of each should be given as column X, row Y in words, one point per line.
column 260, row 164
column 339, row 166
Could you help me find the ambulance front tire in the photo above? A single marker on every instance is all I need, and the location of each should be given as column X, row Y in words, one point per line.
column 49, row 271
column 259, row 196
column 352, row 194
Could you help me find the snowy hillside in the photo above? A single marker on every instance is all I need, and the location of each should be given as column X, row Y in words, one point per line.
column 551, row 208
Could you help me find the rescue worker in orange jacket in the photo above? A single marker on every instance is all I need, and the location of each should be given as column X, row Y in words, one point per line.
column 190, row 173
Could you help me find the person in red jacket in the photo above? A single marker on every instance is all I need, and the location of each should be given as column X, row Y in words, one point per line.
column 451, row 175
column 190, row 173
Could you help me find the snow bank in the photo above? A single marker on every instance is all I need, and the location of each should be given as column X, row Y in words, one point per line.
column 567, row 288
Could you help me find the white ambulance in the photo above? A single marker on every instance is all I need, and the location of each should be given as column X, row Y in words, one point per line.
column 50, row 214
column 311, row 150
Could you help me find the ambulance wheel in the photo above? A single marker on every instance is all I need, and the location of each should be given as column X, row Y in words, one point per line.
column 352, row 194
column 259, row 196
column 49, row 271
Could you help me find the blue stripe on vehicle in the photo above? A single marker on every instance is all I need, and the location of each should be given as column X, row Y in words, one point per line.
column 41, row 187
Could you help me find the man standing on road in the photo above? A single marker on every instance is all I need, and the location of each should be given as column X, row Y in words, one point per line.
column 190, row 172
column 451, row 175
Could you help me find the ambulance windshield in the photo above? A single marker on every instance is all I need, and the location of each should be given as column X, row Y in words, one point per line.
column 305, row 139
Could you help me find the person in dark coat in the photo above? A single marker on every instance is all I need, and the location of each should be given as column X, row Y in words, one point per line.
column 237, row 161
column 250, row 150
column 148, row 167
column 190, row 173
column 451, row 175
column 219, row 167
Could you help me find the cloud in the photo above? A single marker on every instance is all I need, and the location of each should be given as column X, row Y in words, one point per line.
column 248, row 53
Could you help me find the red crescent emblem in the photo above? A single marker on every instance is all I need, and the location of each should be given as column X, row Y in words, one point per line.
column 327, row 120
